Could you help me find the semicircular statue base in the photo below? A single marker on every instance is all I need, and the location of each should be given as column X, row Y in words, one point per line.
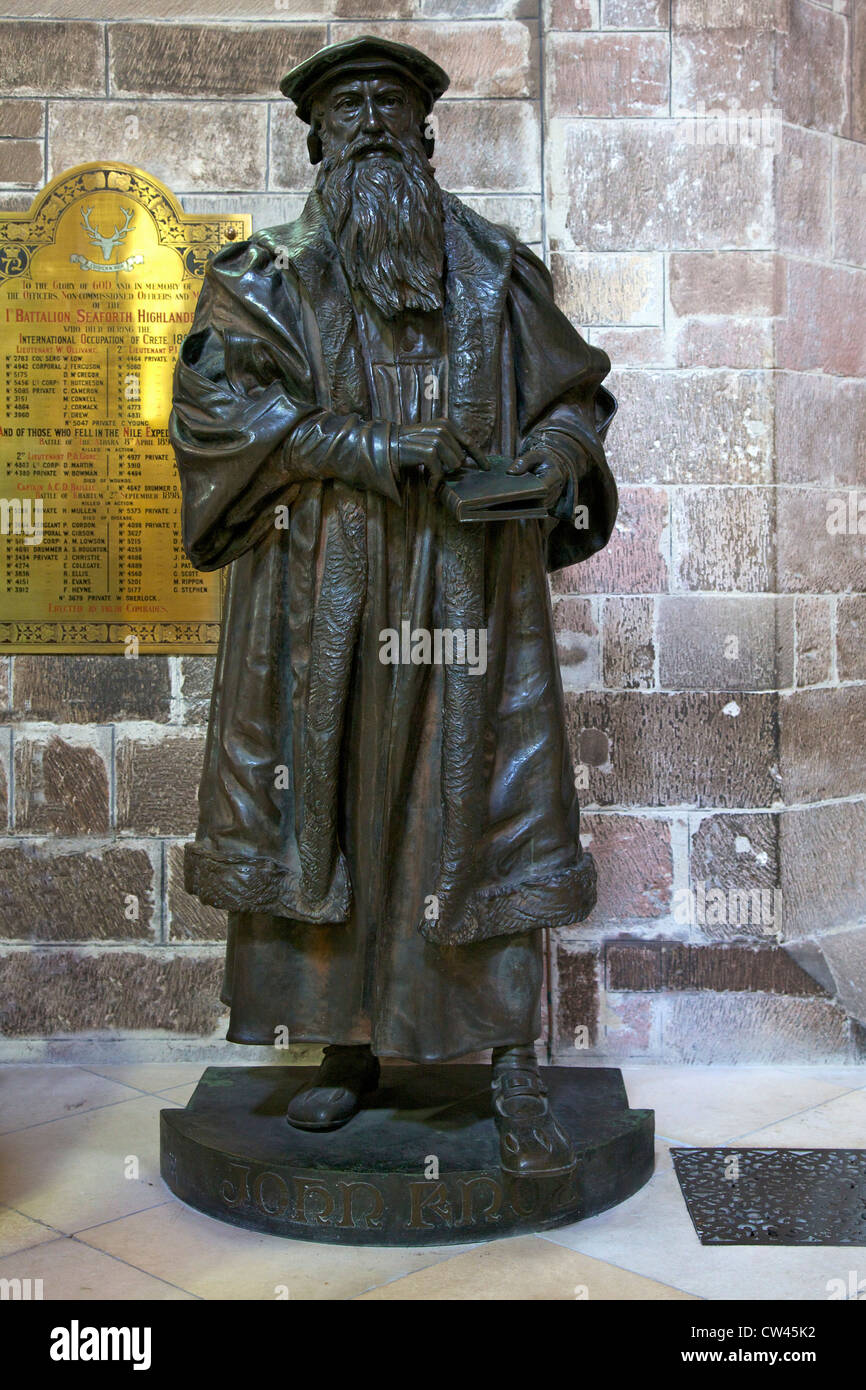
column 419, row 1165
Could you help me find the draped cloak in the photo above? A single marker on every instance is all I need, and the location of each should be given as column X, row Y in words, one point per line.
column 388, row 840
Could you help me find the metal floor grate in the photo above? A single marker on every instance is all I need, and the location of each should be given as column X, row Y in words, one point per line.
column 774, row 1196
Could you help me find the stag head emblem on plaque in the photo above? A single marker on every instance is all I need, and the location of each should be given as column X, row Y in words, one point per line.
column 106, row 243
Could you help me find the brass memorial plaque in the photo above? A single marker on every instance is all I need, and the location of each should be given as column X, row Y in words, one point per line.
column 98, row 285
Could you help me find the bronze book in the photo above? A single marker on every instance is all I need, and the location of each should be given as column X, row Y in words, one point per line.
column 476, row 495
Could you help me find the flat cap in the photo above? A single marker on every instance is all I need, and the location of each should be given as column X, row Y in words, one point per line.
column 365, row 54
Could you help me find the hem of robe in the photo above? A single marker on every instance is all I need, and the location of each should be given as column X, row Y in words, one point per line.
column 421, row 1059
column 267, row 991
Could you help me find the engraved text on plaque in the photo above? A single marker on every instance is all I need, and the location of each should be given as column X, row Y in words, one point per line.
column 98, row 286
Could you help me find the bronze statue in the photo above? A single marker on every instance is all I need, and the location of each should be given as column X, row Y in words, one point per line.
column 388, row 808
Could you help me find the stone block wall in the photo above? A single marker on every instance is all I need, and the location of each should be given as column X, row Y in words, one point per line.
column 694, row 173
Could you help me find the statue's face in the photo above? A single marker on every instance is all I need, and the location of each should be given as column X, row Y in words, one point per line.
column 380, row 109
column 383, row 204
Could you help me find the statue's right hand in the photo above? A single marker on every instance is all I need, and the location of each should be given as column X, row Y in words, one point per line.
column 437, row 446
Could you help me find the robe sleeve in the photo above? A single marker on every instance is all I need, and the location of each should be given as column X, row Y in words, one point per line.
column 562, row 409
column 246, row 426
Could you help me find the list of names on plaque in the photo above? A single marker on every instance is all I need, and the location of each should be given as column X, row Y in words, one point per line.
column 98, row 287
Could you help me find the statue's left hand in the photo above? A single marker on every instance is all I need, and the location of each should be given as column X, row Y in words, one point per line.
column 549, row 470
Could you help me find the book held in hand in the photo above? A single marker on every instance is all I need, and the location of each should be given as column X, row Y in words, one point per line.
column 477, row 495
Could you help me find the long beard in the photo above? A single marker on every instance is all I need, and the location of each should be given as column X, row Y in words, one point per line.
column 385, row 215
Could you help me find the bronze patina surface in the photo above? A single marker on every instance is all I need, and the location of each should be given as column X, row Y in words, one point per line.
column 390, row 830
column 230, row 1154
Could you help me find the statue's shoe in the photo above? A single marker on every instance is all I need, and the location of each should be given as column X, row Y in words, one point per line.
column 531, row 1143
column 335, row 1092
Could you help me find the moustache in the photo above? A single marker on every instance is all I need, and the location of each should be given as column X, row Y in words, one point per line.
column 363, row 145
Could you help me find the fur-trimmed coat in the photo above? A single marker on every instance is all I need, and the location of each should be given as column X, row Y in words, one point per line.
column 275, row 344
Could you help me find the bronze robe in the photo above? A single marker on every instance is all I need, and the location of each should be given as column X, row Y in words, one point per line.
column 341, row 796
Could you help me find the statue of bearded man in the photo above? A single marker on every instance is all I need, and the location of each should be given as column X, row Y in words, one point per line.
column 390, row 838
